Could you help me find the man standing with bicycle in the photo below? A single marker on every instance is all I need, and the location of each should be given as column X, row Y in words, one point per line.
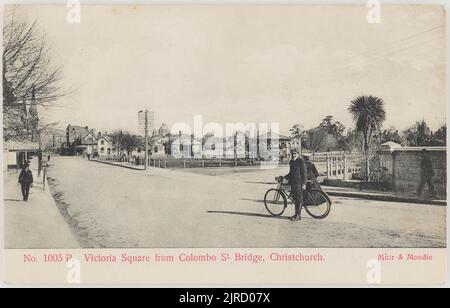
column 297, row 180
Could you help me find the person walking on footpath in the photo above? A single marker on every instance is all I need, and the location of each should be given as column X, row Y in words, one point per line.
column 25, row 181
column 426, row 174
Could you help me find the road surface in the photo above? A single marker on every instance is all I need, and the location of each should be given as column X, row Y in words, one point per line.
column 114, row 207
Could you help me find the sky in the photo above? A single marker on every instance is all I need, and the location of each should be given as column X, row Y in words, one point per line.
column 282, row 64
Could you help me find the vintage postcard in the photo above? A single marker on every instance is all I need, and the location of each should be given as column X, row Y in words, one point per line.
column 224, row 144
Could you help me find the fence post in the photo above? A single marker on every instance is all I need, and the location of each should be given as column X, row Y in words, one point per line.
column 335, row 166
column 159, row 163
column 220, row 162
column 328, row 167
column 165, row 164
column 203, row 163
column 345, row 168
column 184, row 163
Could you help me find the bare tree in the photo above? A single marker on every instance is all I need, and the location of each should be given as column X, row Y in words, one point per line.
column 29, row 80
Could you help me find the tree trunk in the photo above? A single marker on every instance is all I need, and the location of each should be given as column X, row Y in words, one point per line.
column 366, row 152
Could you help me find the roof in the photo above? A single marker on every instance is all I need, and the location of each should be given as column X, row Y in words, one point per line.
column 21, row 146
column 107, row 138
column 91, row 134
column 81, row 131
column 272, row 135
column 390, row 144
column 164, row 127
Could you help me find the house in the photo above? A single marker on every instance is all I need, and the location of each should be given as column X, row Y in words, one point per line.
column 89, row 143
column 158, row 146
column 105, row 146
column 285, row 143
column 163, row 143
column 76, row 142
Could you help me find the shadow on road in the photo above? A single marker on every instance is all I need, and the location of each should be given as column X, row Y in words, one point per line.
column 253, row 200
column 265, row 183
column 248, row 214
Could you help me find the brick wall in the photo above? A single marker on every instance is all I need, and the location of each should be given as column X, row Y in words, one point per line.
column 404, row 166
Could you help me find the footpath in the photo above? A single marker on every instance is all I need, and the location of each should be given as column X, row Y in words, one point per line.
column 36, row 223
column 119, row 164
column 378, row 195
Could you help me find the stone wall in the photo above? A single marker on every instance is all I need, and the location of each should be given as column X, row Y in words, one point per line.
column 404, row 167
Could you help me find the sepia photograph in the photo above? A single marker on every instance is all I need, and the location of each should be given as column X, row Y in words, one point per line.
column 224, row 126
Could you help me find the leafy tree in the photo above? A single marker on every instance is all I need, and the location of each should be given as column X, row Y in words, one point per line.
column 440, row 136
column 390, row 134
column 127, row 141
column 418, row 135
column 298, row 133
column 327, row 121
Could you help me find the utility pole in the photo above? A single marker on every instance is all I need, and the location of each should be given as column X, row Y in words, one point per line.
column 92, row 146
column 146, row 140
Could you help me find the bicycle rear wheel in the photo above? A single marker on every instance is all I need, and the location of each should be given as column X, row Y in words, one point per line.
column 275, row 202
column 317, row 204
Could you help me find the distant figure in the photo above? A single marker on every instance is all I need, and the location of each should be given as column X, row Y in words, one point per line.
column 25, row 181
column 48, row 158
column 311, row 172
column 426, row 174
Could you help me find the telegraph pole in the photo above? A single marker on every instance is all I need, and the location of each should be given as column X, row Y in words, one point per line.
column 146, row 140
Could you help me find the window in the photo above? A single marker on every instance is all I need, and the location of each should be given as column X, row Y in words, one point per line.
column 102, row 150
column 156, row 149
column 102, row 142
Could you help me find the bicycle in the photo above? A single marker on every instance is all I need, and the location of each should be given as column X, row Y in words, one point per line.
column 316, row 202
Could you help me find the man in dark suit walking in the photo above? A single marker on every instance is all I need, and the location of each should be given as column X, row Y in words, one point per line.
column 297, row 180
column 426, row 174
column 25, row 181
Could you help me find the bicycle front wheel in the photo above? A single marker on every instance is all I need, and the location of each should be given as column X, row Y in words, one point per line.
column 317, row 204
column 275, row 202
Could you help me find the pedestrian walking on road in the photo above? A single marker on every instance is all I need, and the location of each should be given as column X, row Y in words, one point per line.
column 426, row 174
column 297, row 180
column 25, row 181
